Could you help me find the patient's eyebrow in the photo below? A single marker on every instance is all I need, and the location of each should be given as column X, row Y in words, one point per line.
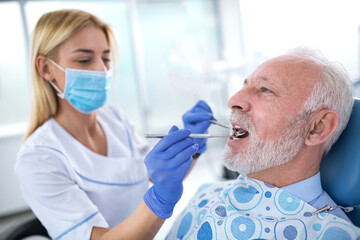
column 260, row 79
column 263, row 79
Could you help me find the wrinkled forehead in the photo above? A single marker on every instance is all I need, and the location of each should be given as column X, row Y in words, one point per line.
column 293, row 72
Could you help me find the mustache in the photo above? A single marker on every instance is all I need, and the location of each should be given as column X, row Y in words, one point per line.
column 242, row 120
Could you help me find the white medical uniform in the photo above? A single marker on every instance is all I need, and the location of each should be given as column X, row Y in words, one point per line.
column 70, row 188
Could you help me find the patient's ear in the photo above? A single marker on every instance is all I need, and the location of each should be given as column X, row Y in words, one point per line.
column 43, row 67
column 321, row 125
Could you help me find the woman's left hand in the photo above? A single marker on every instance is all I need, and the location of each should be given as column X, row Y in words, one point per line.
column 196, row 119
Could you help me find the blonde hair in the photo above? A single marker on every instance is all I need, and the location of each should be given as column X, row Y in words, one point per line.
column 52, row 29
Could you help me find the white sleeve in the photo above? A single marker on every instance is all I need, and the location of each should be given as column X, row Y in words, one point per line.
column 63, row 208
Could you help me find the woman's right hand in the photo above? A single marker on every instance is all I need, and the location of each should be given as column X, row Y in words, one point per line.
column 167, row 164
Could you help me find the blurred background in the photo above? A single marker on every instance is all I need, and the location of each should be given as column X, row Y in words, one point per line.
column 172, row 53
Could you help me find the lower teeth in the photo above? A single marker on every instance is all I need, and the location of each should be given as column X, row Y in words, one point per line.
column 239, row 134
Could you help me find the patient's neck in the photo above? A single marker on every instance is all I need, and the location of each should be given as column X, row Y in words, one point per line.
column 303, row 166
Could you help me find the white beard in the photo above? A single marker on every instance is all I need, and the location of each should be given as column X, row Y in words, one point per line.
column 260, row 154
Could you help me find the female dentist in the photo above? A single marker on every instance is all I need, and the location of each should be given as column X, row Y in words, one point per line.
column 81, row 167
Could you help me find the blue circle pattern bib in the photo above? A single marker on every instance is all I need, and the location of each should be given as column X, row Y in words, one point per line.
column 249, row 209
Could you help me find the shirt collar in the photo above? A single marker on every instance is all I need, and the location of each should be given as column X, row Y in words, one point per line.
column 307, row 190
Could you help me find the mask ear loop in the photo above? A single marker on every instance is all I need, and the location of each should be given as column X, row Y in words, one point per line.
column 60, row 94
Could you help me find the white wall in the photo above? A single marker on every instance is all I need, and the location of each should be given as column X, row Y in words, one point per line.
column 11, row 200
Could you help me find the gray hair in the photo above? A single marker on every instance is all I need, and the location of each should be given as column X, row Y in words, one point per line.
column 333, row 90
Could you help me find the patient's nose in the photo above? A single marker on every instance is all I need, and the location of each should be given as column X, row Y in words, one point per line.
column 238, row 102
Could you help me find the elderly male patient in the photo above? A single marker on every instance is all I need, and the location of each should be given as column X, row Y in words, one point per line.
column 290, row 112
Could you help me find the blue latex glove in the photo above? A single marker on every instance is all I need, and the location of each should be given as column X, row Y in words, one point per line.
column 196, row 120
column 167, row 164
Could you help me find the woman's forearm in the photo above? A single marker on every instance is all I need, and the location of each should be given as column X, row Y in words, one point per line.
column 142, row 224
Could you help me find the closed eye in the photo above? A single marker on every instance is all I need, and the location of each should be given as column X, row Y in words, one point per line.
column 84, row 60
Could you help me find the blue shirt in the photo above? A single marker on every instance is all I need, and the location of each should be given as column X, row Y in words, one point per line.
column 310, row 191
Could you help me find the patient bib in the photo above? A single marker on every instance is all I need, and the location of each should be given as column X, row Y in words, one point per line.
column 249, row 209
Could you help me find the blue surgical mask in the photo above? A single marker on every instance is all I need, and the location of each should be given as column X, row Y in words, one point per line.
column 85, row 90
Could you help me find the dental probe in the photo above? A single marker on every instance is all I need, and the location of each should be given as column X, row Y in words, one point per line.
column 190, row 136
column 217, row 123
column 237, row 134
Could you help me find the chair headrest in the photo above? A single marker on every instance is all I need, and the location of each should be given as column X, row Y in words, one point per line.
column 340, row 168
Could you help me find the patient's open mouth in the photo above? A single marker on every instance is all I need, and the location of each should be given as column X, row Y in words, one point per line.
column 238, row 132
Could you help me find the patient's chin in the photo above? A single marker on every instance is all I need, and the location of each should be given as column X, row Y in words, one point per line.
column 234, row 168
column 235, row 163
column 246, row 163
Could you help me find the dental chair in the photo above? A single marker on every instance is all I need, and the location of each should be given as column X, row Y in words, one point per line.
column 29, row 227
column 340, row 168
